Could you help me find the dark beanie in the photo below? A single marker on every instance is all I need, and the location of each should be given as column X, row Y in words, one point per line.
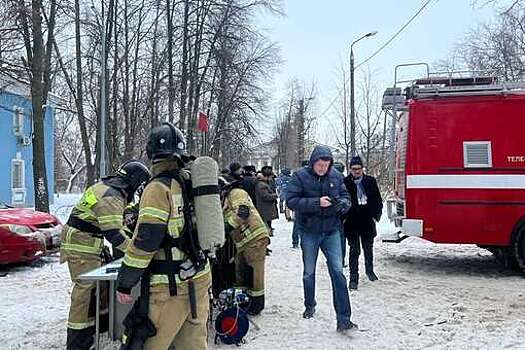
column 267, row 170
column 235, row 166
column 356, row 161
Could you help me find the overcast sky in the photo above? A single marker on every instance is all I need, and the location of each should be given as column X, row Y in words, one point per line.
column 315, row 36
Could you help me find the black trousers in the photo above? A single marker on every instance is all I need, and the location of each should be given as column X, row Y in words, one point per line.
column 357, row 241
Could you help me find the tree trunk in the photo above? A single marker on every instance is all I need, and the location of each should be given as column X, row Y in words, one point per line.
column 184, row 68
column 171, row 83
column 79, row 101
column 37, row 94
column 113, row 126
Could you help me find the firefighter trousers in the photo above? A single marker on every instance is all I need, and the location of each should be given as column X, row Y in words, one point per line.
column 172, row 317
column 249, row 270
column 81, row 321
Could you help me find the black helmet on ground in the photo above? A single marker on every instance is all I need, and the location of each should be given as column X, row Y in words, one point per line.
column 166, row 141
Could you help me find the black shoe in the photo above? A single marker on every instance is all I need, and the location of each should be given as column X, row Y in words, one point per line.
column 352, row 285
column 372, row 276
column 347, row 327
column 309, row 312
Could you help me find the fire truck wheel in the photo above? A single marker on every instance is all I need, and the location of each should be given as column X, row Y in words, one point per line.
column 519, row 246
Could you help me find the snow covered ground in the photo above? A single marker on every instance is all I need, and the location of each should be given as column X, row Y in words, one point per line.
column 428, row 296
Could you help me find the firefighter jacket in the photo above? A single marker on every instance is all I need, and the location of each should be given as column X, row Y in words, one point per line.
column 160, row 214
column 98, row 215
column 243, row 218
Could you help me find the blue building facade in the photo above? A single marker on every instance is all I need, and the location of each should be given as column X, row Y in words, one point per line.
column 16, row 147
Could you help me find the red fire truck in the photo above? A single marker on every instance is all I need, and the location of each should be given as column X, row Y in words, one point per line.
column 460, row 164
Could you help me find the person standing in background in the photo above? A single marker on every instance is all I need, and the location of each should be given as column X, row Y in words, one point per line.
column 282, row 183
column 266, row 197
column 360, row 221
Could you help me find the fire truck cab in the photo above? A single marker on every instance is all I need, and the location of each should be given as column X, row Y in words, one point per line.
column 460, row 164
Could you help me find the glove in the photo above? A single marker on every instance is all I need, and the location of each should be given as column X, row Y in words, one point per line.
column 243, row 212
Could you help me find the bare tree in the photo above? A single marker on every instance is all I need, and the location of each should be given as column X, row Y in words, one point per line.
column 38, row 63
column 293, row 131
column 496, row 48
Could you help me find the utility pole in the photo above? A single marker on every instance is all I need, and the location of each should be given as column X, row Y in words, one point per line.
column 352, row 93
column 352, row 106
column 300, row 132
column 102, row 170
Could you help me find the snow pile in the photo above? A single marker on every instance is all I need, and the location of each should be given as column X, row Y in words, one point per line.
column 427, row 296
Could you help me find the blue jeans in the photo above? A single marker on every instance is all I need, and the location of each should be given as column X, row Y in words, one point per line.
column 330, row 244
column 343, row 246
column 295, row 233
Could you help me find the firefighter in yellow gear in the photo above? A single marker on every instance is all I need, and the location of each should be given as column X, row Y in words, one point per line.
column 177, row 307
column 251, row 237
column 97, row 216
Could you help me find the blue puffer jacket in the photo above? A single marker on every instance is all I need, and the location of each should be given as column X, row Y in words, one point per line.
column 306, row 188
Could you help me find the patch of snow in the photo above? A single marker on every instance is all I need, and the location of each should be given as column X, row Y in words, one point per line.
column 428, row 296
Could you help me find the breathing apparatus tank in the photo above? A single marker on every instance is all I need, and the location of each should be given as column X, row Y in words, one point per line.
column 207, row 202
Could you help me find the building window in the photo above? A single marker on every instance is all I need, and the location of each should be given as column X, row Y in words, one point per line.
column 17, row 174
column 18, row 121
column 477, row 154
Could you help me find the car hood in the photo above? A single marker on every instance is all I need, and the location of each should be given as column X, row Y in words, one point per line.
column 28, row 217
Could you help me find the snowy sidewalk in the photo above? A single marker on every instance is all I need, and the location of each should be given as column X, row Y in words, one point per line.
column 428, row 296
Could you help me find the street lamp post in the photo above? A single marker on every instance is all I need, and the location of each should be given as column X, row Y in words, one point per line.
column 352, row 103
column 103, row 100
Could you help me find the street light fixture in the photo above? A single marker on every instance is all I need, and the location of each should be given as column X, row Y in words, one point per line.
column 352, row 108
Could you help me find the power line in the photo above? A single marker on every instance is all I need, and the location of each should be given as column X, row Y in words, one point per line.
column 396, row 34
column 379, row 50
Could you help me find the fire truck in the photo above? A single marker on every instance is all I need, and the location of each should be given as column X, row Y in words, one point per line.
column 460, row 164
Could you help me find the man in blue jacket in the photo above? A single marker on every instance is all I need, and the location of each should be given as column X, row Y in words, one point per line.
column 318, row 194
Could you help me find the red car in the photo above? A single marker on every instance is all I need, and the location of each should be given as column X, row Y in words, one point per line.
column 26, row 235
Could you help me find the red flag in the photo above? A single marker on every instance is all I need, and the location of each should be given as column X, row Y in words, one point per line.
column 202, row 122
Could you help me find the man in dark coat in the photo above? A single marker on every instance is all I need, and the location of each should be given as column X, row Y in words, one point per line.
column 318, row 194
column 234, row 173
column 360, row 221
column 266, row 198
column 249, row 180
column 282, row 182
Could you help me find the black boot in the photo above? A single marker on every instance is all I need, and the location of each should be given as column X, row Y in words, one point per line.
column 256, row 305
column 354, row 279
column 371, row 276
column 309, row 312
column 80, row 339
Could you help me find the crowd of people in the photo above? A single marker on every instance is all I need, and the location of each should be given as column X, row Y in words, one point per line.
column 160, row 248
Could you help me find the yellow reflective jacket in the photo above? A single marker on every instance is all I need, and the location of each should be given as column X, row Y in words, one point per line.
column 102, row 208
column 160, row 214
column 244, row 230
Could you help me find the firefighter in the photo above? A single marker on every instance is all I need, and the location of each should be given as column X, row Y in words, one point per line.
column 161, row 251
column 97, row 216
column 251, row 237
